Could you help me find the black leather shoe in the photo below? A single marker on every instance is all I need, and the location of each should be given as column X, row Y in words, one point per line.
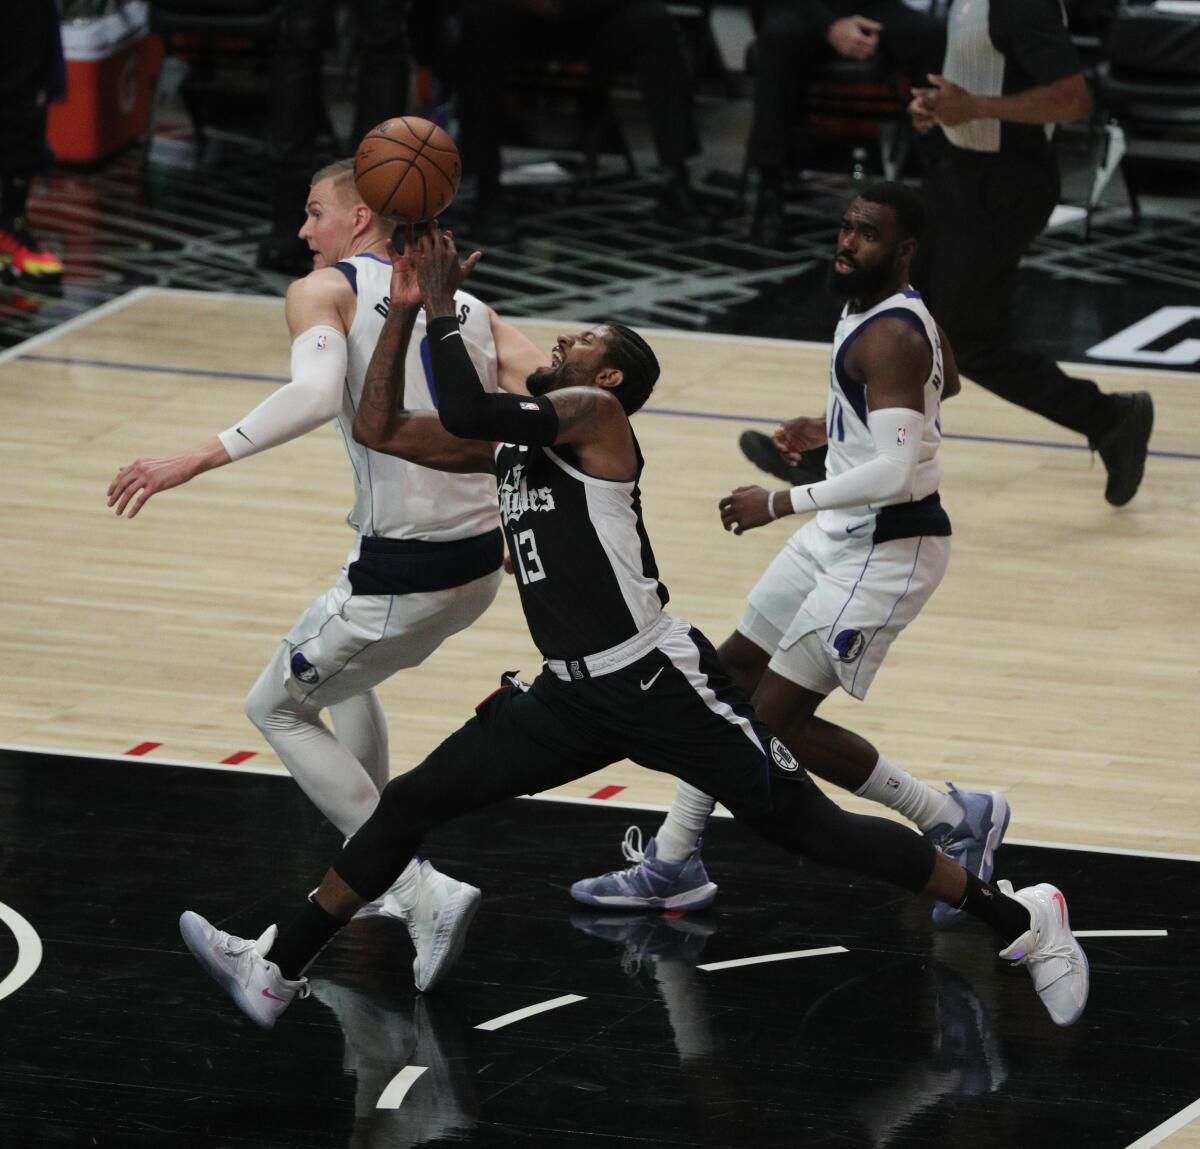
column 762, row 452
column 1124, row 446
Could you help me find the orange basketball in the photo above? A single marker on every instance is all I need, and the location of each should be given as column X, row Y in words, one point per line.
column 408, row 169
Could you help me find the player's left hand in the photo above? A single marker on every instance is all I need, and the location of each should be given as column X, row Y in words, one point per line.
column 745, row 509
column 439, row 273
column 947, row 103
column 404, row 291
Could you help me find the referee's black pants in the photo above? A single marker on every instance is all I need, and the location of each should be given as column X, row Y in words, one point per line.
column 982, row 211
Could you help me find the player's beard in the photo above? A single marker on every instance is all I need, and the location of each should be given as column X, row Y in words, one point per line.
column 543, row 382
column 861, row 282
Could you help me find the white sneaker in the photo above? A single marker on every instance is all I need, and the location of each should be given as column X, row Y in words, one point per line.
column 1049, row 950
column 241, row 968
column 437, row 923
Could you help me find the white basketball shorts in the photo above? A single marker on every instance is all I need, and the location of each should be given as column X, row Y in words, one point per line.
column 346, row 643
column 852, row 595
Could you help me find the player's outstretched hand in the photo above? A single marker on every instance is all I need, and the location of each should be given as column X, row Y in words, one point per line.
column 745, row 509
column 439, row 273
column 405, row 291
column 143, row 478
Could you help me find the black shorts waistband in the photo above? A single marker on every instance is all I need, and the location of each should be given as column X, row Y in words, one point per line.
column 926, row 516
column 409, row 566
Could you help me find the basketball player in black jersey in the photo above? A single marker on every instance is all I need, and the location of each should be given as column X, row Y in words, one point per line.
column 622, row 677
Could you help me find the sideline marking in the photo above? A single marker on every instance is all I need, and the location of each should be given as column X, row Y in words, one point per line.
column 709, row 967
column 669, row 412
column 29, row 951
column 1120, row 933
column 399, row 1086
column 606, row 792
column 530, row 1011
column 100, row 311
column 647, row 807
column 1171, row 1125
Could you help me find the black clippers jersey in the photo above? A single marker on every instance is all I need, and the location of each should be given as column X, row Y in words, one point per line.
column 580, row 553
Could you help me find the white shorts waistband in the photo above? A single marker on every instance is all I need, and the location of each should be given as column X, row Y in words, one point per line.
column 616, row 657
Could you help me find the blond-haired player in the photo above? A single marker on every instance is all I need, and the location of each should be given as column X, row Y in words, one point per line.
column 428, row 555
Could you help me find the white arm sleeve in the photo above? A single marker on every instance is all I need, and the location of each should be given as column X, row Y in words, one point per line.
column 887, row 478
column 312, row 397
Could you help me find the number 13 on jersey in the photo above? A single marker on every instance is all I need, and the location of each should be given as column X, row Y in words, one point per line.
column 525, row 554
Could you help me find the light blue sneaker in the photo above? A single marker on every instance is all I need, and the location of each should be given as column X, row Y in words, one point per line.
column 973, row 842
column 649, row 884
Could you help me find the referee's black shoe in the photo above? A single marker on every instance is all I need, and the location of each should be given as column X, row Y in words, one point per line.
column 762, row 452
column 1124, row 446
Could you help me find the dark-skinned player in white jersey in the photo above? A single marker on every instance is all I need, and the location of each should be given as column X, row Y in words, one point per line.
column 850, row 580
column 622, row 678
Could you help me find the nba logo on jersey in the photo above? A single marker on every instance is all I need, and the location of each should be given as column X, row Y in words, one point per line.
column 530, row 407
column 902, row 436
column 322, row 342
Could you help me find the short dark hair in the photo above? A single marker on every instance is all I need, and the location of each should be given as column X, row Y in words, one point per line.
column 903, row 200
column 627, row 351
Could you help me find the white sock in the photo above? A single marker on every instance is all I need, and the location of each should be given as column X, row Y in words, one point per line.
column 678, row 835
column 916, row 800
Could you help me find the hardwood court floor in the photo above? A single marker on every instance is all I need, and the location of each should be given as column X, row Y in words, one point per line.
column 1057, row 661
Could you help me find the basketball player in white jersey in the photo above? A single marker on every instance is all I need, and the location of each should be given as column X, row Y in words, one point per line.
column 428, row 558
column 846, row 584
column 621, row 678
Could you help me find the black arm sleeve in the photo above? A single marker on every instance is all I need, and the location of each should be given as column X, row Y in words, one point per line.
column 470, row 412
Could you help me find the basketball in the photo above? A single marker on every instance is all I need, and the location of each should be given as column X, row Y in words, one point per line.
column 407, row 169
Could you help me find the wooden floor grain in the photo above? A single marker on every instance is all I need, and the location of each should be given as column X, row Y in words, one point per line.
column 1056, row 662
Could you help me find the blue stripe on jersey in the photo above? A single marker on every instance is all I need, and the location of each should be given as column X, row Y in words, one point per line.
column 427, row 363
column 351, row 274
column 855, row 391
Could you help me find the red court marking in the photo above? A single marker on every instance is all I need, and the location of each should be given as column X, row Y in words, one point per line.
column 607, row 791
column 144, row 748
column 238, row 758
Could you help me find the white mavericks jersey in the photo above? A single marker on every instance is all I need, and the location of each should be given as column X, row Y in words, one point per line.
column 850, row 441
column 394, row 498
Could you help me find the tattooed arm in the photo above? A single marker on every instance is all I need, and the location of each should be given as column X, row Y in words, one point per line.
column 382, row 422
column 589, row 418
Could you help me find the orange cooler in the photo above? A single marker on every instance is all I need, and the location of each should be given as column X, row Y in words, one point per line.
column 112, row 64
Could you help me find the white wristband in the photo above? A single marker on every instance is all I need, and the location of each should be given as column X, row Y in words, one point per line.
column 771, row 515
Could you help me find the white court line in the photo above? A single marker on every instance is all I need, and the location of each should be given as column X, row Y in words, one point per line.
column 649, row 807
column 698, row 336
column 773, row 957
column 399, row 1086
column 88, row 317
column 1171, row 1125
column 29, row 951
column 1120, row 933
column 530, row 1011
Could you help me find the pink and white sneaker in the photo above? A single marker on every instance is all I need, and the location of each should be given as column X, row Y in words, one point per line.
column 241, row 968
column 1050, row 952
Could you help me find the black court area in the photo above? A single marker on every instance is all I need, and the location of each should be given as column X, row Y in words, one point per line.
column 903, row 1038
